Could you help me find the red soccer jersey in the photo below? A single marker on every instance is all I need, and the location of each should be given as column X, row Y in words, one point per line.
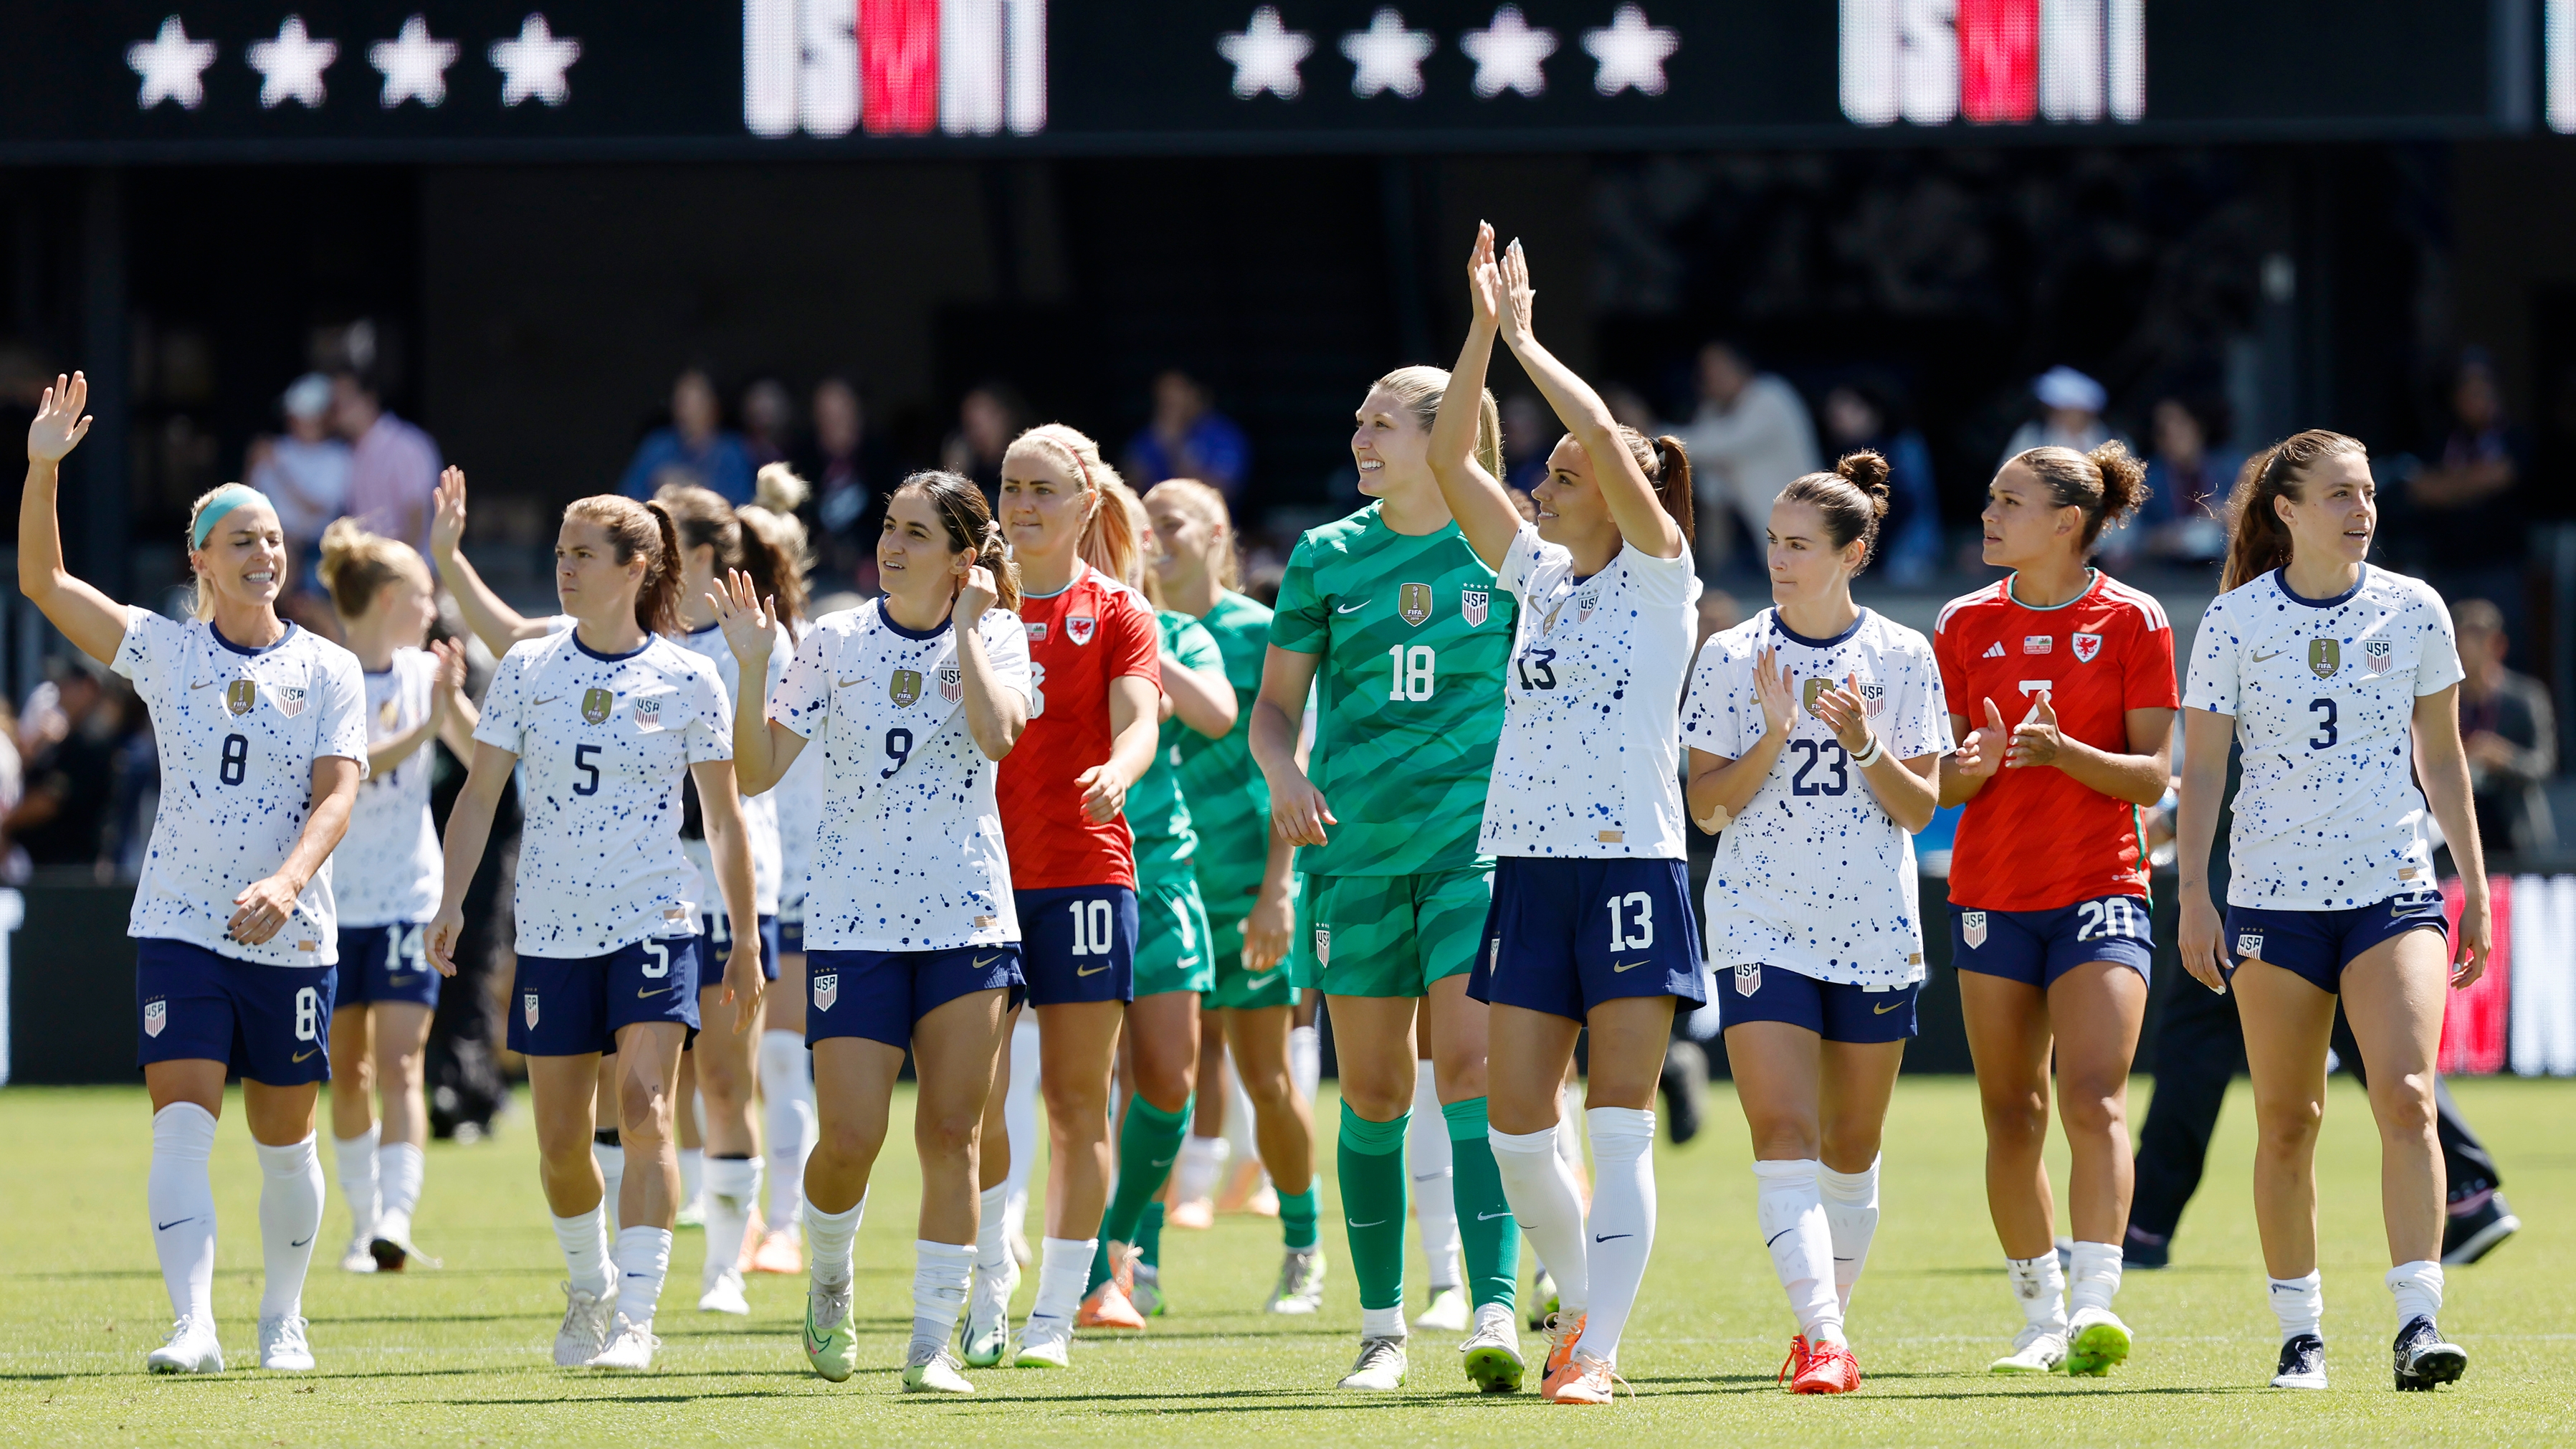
column 1095, row 631
column 2035, row 839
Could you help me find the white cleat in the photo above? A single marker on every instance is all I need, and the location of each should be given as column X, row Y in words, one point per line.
column 191, row 1348
column 1448, row 1312
column 1301, row 1282
column 391, row 1245
column 988, row 1315
column 932, row 1369
column 282, row 1348
column 2035, row 1350
column 1380, row 1367
column 630, row 1347
column 1492, row 1354
column 1047, row 1347
column 358, row 1259
column 724, row 1295
column 585, row 1325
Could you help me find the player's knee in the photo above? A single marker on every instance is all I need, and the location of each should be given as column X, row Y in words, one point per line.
column 1069, row 1102
column 2015, row 1116
column 2403, row 1102
column 2287, row 1129
column 2093, row 1113
column 1269, row 1091
column 946, row 1136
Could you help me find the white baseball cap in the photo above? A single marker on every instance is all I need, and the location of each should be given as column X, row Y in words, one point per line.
column 2064, row 387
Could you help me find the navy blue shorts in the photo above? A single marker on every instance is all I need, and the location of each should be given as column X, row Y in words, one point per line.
column 2037, row 947
column 272, row 1024
column 1832, row 1010
column 791, row 937
column 385, row 963
column 566, row 1006
column 879, row 995
column 1565, row 934
column 719, row 938
column 1078, row 943
column 2317, row 945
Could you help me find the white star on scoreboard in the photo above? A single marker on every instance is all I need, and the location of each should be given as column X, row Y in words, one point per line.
column 290, row 67
column 1388, row 56
column 173, row 67
column 1265, row 55
column 1507, row 54
column 532, row 65
column 415, row 64
column 1631, row 52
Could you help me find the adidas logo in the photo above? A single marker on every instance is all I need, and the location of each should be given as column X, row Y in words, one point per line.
column 1994, row 650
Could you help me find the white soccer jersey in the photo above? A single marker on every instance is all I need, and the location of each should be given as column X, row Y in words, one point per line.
column 2323, row 692
column 388, row 869
column 603, row 743
column 799, row 794
column 238, row 731
column 759, row 812
column 1590, row 759
column 1812, row 875
column 910, row 854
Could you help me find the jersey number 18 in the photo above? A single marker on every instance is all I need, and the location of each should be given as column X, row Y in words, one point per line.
column 1415, row 672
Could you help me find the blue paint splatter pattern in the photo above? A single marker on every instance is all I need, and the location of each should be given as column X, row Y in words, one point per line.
column 388, row 869
column 759, row 812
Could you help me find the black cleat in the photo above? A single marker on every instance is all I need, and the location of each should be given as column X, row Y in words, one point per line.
column 2424, row 1360
column 1685, row 1087
column 2140, row 1250
column 2472, row 1235
column 2303, row 1363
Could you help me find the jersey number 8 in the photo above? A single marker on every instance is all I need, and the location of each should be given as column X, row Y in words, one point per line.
column 1415, row 670
column 236, row 761
column 308, row 1014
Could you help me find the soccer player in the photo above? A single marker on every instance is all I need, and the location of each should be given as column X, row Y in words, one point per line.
column 912, row 939
column 1242, row 873
column 387, row 883
column 1584, row 818
column 1816, row 730
column 607, row 718
column 2341, row 681
column 1094, row 712
column 2048, row 886
column 713, row 542
column 261, row 729
column 1393, row 623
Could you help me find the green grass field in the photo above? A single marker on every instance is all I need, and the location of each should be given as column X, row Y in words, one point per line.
column 461, row 1355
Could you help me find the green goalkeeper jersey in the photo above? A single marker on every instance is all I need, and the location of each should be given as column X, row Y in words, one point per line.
column 1229, row 801
column 1409, row 694
column 1156, row 810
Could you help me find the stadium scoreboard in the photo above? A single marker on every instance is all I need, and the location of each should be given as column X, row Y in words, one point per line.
column 183, row 80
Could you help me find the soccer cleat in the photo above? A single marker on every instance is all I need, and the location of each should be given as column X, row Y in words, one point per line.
column 1542, row 1300
column 1198, row 1214
column 1448, row 1312
column 392, row 1247
column 1301, row 1282
column 1108, row 1308
column 2473, row 1234
column 2303, row 1364
column 1050, row 1347
column 2035, row 1350
column 282, row 1346
column 1147, row 1291
column 2145, row 1250
column 2096, row 1342
column 781, row 1251
column 1796, row 1363
column 1830, row 1369
column 1592, row 1382
column 1379, row 1369
column 831, row 1339
column 191, row 1348
column 932, row 1369
column 585, row 1325
column 724, row 1295
column 988, row 1315
column 1562, row 1335
column 1492, row 1354
column 358, row 1259
column 2424, row 1361
column 630, row 1347
column 753, row 1230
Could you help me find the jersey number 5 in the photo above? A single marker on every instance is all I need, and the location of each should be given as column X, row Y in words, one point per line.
column 581, row 761
column 1415, row 668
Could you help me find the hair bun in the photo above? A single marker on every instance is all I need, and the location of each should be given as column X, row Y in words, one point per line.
column 2124, row 478
column 1867, row 471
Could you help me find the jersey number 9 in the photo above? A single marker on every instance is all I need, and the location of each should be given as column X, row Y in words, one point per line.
column 1415, row 671
column 898, row 749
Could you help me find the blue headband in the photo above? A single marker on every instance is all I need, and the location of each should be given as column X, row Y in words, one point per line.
column 223, row 501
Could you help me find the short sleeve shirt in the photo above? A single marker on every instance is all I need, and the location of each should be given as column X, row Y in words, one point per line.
column 1157, row 810
column 1093, row 631
column 388, row 869
column 759, row 812
column 1229, row 799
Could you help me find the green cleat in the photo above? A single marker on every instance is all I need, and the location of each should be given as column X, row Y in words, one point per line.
column 2096, row 1342
column 831, row 1345
column 933, row 1370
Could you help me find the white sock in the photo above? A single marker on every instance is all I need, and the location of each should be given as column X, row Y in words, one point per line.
column 1194, row 1173
column 829, row 1238
column 399, row 1168
column 1064, row 1267
column 1543, row 1198
column 2095, row 1279
column 693, row 1176
column 1382, row 1322
column 940, row 1273
column 356, row 1159
column 2300, row 1304
column 1790, row 1208
column 1305, row 1060
column 643, row 1261
column 290, row 1217
column 2039, row 1286
column 612, row 1174
column 733, row 1189
column 992, row 1247
column 181, row 1195
column 787, row 1122
column 2418, row 1286
column 1622, row 1227
column 1569, row 1132
column 584, row 1238
column 1241, row 1143
column 1851, row 1211
column 1435, row 1200
column 1020, row 1113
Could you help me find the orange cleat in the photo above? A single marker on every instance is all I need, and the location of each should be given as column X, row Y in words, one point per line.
column 753, row 1232
column 1198, row 1215
column 1562, row 1335
column 779, row 1252
column 1830, row 1369
column 1592, row 1381
column 1796, row 1363
column 1108, row 1307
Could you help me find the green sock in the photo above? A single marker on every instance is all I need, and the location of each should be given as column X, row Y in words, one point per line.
column 1297, row 1213
column 1147, row 1142
column 1488, row 1236
column 1371, row 1155
column 1149, row 1235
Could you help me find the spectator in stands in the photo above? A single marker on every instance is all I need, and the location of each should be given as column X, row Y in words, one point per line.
column 305, row 474
column 393, row 466
column 693, row 449
column 1862, row 415
column 2467, row 506
column 1750, row 438
column 2511, row 733
column 70, row 781
column 2070, row 415
column 2188, row 475
column 1529, row 432
column 988, row 418
column 1189, row 438
column 849, row 469
column 767, row 415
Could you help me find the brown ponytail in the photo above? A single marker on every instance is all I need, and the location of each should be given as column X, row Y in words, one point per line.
column 1852, row 500
column 968, row 521
column 1666, row 464
column 2107, row 484
column 2258, row 541
column 641, row 530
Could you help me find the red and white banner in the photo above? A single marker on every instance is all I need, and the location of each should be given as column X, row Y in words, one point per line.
column 1993, row 62
column 2520, row 1016
column 894, row 67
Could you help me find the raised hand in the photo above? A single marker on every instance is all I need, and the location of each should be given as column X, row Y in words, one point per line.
column 60, row 423
column 976, row 592
column 1484, row 280
column 447, row 517
column 1846, row 714
column 1775, row 690
column 2035, row 741
column 749, row 624
column 1982, row 753
column 1518, row 296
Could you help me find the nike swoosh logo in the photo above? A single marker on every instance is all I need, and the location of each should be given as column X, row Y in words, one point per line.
column 1191, row 959
column 2275, row 654
column 1631, row 966
column 846, row 683
column 1257, row 982
column 1884, row 1010
column 1381, row 1222
column 306, row 1239
column 1352, row 609
column 641, row 993
column 1094, row 971
column 209, row 684
column 1614, row 1237
column 174, row 1222
column 1775, row 1237
column 300, row 1056
column 987, row 961
column 1160, row 1162
column 1489, row 1217
column 549, row 699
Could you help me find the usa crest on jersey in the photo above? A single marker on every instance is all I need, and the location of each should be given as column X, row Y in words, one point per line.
column 2087, row 646
column 530, row 999
column 1474, row 604
column 2377, row 655
column 952, row 684
column 904, row 688
column 1323, row 945
column 1413, row 601
column 1972, row 929
column 2249, row 943
column 1079, row 627
column 1873, row 697
column 648, row 713
column 156, row 1015
column 827, row 989
column 1748, row 978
